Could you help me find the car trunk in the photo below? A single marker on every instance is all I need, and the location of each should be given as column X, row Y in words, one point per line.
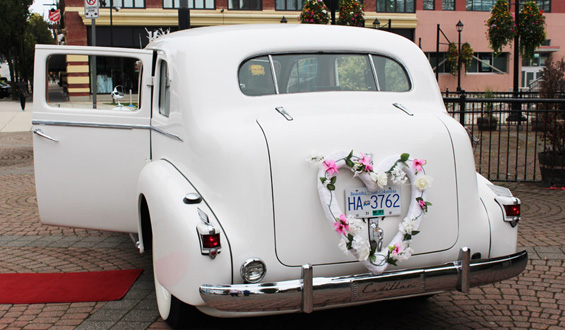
column 303, row 234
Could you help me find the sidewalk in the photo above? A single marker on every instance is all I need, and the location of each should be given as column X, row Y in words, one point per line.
column 12, row 118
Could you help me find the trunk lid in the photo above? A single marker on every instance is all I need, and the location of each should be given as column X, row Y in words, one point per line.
column 303, row 234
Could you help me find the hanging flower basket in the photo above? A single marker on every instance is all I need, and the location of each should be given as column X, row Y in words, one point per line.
column 531, row 29
column 501, row 26
column 314, row 12
column 452, row 57
column 467, row 55
column 351, row 13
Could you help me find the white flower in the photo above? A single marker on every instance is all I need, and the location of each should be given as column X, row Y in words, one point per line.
column 382, row 179
column 406, row 226
column 343, row 245
column 315, row 158
column 355, row 225
column 423, row 182
column 398, row 176
column 362, row 247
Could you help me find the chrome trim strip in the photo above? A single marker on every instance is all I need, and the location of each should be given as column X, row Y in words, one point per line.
column 111, row 126
column 374, row 70
column 39, row 132
column 273, row 73
column 329, row 291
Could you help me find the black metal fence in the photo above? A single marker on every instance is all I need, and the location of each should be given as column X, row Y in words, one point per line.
column 512, row 135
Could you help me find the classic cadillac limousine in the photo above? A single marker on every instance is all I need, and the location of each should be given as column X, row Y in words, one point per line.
column 271, row 169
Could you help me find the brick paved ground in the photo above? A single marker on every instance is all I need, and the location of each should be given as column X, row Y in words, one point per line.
column 534, row 300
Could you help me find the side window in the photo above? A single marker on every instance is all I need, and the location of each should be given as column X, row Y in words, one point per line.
column 164, row 89
column 391, row 75
column 76, row 81
column 354, row 73
column 256, row 78
column 303, row 76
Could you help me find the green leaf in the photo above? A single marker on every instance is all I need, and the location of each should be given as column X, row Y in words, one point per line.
column 323, row 179
column 331, row 187
column 373, row 258
column 350, row 154
column 415, row 232
column 404, row 157
column 349, row 162
column 392, row 261
column 333, row 179
column 407, row 237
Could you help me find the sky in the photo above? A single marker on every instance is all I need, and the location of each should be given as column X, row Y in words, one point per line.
column 38, row 7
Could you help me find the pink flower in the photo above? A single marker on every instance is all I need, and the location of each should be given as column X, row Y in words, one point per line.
column 396, row 248
column 341, row 226
column 330, row 167
column 422, row 204
column 418, row 163
column 366, row 161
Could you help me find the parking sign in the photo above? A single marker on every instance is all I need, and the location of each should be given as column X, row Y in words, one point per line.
column 91, row 8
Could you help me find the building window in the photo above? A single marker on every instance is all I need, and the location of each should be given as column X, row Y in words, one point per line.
column 244, row 5
column 395, row 6
column 429, row 4
column 480, row 5
column 544, row 5
column 289, row 4
column 192, row 4
column 123, row 3
column 447, row 4
column 538, row 60
column 488, row 63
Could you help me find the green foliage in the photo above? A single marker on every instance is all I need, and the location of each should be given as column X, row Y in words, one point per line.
column 314, row 12
column 36, row 32
column 351, row 13
column 13, row 21
column 350, row 69
column 467, row 55
column 452, row 58
column 531, row 29
column 501, row 26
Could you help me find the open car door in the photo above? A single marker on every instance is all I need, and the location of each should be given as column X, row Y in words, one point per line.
column 91, row 125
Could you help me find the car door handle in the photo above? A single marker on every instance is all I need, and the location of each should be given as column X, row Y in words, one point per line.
column 39, row 132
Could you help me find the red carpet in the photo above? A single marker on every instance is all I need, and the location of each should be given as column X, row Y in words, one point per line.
column 65, row 287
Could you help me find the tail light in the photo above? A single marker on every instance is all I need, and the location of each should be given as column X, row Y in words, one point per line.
column 209, row 237
column 510, row 205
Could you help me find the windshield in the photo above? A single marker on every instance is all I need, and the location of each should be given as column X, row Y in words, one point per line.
column 300, row 73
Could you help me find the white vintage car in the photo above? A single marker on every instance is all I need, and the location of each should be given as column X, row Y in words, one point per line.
column 271, row 168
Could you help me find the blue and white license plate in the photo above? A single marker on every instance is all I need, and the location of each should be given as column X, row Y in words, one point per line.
column 361, row 203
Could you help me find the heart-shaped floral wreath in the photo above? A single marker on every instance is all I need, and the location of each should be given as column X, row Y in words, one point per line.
column 394, row 168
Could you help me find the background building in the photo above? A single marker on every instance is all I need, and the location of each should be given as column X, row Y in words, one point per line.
column 130, row 22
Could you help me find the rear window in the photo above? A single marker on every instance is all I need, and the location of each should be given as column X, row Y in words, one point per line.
column 302, row 73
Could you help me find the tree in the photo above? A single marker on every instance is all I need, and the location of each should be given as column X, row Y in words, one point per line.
column 36, row 32
column 13, row 15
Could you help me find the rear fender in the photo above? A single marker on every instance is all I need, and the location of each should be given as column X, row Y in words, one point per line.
column 503, row 237
column 180, row 265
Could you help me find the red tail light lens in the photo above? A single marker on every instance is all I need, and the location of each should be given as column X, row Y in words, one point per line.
column 512, row 210
column 211, row 241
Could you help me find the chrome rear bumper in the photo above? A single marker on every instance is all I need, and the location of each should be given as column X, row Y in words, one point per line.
column 310, row 292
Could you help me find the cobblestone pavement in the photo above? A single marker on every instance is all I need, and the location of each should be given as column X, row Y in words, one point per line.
column 534, row 300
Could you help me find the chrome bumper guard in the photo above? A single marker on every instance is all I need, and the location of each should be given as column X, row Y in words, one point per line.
column 310, row 292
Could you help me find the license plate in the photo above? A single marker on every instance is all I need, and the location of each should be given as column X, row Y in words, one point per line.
column 361, row 203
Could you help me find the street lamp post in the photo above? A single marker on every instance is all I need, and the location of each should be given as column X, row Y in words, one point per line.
column 459, row 27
